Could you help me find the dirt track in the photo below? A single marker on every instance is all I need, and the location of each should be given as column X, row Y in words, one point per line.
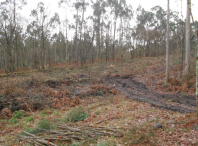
column 138, row 91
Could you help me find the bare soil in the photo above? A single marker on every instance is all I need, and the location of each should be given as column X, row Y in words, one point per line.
column 135, row 90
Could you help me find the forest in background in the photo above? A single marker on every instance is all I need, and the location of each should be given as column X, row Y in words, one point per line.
column 112, row 75
column 112, row 31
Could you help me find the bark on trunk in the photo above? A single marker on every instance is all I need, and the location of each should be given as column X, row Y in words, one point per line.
column 167, row 47
column 187, row 64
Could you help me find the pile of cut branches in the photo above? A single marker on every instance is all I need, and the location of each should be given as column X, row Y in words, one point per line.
column 69, row 134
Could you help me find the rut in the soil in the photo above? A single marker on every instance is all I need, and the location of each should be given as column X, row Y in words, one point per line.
column 138, row 91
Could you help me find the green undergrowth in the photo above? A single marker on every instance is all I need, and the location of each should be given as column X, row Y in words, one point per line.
column 42, row 124
column 76, row 115
column 18, row 115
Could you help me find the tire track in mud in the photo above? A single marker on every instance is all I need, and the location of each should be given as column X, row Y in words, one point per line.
column 138, row 91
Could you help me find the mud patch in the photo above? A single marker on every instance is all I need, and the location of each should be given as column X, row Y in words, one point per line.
column 135, row 90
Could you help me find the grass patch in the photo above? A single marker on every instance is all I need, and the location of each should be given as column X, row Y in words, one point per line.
column 56, row 113
column 76, row 115
column 17, row 115
column 29, row 119
column 44, row 124
column 43, row 114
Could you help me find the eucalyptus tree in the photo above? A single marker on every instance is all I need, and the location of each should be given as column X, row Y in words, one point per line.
column 125, row 16
column 187, row 61
column 145, row 23
column 54, row 21
column 82, row 7
column 67, row 4
column 8, row 25
column 92, row 28
column 43, row 23
column 167, row 45
column 160, row 26
column 32, row 32
column 77, row 6
column 115, row 10
column 18, row 32
column 107, row 37
column 99, row 8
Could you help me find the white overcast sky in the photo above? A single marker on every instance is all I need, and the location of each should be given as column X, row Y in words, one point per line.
column 147, row 4
column 53, row 7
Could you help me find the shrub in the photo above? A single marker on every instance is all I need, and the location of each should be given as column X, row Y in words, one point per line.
column 29, row 119
column 76, row 115
column 13, row 121
column 44, row 124
column 18, row 115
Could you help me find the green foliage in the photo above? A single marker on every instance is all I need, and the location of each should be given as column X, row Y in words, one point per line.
column 29, row 119
column 14, row 121
column 43, row 114
column 17, row 115
column 76, row 115
column 56, row 113
column 44, row 124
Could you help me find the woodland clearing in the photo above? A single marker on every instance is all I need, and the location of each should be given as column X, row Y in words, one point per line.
column 70, row 106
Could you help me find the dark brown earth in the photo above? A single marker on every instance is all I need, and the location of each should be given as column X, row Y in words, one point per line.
column 126, row 84
column 135, row 90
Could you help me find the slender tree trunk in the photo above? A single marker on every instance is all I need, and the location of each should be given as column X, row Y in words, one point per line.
column 55, row 54
column 102, row 40
column 177, row 51
column 76, row 44
column 17, row 53
column 106, row 50
column 66, row 41
column 81, row 44
column 91, row 52
column 187, row 63
column 49, row 57
column 196, row 94
column 113, row 51
column 167, row 46
column 42, row 49
column 34, row 58
column 98, row 40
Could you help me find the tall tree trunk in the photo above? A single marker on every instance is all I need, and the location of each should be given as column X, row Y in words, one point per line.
column 17, row 53
column 81, row 27
column 196, row 94
column 98, row 41
column 42, row 49
column 167, row 46
column 106, row 42
column 102, row 40
column 91, row 52
column 187, row 63
column 55, row 54
column 113, row 50
column 76, row 44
